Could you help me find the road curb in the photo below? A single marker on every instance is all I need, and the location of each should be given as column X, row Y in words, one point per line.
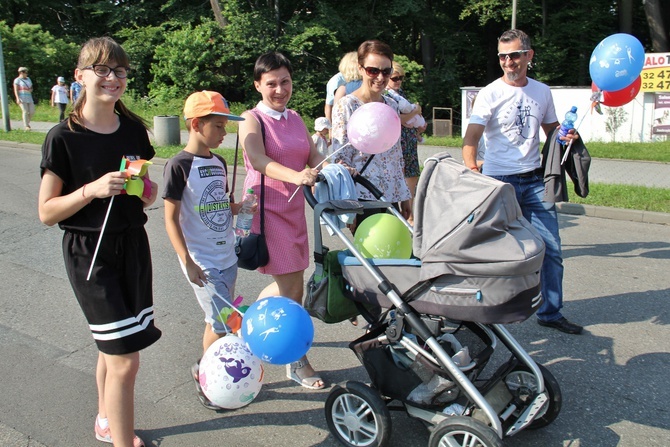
column 606, row 212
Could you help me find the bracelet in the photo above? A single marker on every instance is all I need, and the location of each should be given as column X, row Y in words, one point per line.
column 473, row 168
column 83, row 192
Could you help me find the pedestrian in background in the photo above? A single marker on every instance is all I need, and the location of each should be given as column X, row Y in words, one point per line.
column 59, row 96
column 337, row 80
column 320, row 137
column 75, row 91
column 409, row 134
column 23, row 90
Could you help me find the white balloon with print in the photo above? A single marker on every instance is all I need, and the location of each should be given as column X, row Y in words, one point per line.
column 230, row 375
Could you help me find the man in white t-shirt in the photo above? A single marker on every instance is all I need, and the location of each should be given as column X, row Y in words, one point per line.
column 509, row 113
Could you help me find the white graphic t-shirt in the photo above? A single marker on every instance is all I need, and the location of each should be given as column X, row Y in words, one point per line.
column 201, row 184
column 512, row 117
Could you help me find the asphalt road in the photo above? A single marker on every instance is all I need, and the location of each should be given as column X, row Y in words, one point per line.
column 614, row 377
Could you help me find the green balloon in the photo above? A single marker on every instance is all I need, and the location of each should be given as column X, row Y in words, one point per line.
column 383, row 236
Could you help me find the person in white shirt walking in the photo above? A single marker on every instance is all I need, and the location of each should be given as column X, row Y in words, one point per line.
column 59, row 95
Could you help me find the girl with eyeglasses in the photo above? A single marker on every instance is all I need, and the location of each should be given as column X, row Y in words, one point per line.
column 80, row 169
column 385, row 170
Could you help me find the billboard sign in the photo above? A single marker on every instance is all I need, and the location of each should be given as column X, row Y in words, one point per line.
column 656, row 72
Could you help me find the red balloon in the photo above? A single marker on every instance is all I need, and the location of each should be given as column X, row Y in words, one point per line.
column 619, row 97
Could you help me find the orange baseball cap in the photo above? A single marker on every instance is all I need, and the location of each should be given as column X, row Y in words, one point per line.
column 205, row 103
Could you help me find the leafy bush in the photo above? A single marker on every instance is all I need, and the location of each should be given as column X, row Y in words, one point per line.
column 45, row 56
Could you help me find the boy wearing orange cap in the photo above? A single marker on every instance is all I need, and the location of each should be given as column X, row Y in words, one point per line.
column 199, row 215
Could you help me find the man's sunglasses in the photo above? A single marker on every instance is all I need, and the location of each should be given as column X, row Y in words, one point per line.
column 514, row 55
column 373, row 72
column 397, row 78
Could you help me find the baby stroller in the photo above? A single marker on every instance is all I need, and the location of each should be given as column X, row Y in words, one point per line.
column 434, row 328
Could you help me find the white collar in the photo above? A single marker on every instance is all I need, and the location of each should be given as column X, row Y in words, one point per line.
column 271, row 112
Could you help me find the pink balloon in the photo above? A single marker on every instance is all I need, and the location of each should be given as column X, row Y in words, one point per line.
column 374, row 128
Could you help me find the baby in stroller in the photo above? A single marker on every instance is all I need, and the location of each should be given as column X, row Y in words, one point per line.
column 435, row 326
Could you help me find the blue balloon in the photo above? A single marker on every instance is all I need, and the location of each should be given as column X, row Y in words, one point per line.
column 277, row 330
column 616, row 62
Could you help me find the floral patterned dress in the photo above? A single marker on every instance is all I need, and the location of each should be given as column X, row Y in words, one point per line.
column 385, row 171
column 409, row 140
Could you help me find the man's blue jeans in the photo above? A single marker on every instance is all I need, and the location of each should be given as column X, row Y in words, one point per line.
column 543, row 216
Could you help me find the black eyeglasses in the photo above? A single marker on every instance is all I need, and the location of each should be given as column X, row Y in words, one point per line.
column 514, row 55
column 103, row 71
column 397, row 78
column 373, row 72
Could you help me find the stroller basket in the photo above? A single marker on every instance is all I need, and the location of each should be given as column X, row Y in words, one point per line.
column 413, row 376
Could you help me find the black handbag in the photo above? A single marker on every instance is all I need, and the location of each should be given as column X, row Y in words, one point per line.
column 252, row 250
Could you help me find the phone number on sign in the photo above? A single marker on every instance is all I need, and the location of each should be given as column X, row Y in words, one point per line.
column 655, row 79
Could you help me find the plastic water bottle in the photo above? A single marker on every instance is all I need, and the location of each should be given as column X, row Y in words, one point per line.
column 245, row 217
column 567, row 124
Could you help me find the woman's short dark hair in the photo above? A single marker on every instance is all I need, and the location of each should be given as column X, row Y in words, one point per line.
column 374, row 47
column 271, row 61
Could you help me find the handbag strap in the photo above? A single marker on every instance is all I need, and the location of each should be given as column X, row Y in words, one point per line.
column 262, row 194
column 366, row 164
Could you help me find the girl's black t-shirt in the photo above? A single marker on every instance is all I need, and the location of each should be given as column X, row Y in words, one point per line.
column 81, row 156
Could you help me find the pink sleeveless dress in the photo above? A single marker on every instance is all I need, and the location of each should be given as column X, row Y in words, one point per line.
column 286, row 142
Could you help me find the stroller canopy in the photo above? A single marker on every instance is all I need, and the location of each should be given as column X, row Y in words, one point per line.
column 469, row 224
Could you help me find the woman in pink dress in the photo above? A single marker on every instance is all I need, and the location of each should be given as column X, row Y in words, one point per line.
column 282, row 156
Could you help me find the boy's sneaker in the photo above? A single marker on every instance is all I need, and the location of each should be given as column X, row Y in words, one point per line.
column 195, row 373
column 105, row 435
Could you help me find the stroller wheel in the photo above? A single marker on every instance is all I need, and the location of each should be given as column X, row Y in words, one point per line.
column 357, row 415
column 463, row 431
column 521, row 381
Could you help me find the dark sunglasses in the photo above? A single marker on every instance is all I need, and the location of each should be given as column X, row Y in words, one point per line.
column 514, row 55
column 397, row 78
column 373, row 72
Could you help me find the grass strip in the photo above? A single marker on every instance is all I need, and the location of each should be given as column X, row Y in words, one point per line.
column 625, row 196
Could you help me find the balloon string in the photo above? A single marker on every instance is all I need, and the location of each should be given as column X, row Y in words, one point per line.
column 317, row 167
column 212, row 292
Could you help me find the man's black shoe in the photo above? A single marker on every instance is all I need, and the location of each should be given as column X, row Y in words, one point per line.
column 562, row 325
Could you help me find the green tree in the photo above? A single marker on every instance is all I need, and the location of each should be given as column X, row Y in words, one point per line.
column 46, row 56
column 188, row 59
column 140, row 44
column 176, row 46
